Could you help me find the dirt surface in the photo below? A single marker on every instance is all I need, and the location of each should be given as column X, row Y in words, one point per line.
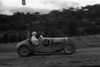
column 82, row 57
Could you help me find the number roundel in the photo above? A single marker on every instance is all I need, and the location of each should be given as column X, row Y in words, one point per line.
column 46, row 42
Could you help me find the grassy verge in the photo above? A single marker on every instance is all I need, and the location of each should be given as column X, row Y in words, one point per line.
column 9, row 47
column 87, row 41
column 80, row 41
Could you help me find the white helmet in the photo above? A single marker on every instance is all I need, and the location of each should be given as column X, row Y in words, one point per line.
column 34, row 33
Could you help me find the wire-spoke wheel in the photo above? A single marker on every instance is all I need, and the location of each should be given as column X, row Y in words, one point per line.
column 24, row 51
column 69, row 49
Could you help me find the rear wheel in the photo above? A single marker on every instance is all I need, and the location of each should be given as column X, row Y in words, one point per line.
column 24, row 51
column 69, row 49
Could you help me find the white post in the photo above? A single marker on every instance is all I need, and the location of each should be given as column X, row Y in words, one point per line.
column 23, row 2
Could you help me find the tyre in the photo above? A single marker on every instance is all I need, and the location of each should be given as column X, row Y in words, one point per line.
column 24, row 51
column 69, row 49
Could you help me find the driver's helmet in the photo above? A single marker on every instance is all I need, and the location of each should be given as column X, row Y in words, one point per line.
column 34, row 33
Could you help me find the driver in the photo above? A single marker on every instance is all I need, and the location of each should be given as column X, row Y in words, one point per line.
column 35, row 38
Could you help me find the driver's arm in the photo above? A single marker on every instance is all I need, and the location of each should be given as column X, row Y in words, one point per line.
column 41, row 36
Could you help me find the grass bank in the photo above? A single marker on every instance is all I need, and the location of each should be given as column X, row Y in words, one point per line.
column 80, row 41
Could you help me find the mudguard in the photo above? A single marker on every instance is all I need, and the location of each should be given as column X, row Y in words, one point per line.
column 24, row 43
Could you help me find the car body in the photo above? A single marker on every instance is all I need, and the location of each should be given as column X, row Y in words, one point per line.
column 47, row 44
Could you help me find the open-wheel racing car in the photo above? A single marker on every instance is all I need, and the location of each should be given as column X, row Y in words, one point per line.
column 46, row 45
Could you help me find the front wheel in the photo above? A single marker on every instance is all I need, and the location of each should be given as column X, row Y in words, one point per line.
column 69, row 49
column 24, row 51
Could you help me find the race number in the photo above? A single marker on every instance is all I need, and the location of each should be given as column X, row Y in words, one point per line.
column 46, row 42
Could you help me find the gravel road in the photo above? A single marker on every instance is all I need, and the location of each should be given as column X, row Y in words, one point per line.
column 82, row 57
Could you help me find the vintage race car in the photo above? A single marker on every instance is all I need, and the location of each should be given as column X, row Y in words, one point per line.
column 60, row 44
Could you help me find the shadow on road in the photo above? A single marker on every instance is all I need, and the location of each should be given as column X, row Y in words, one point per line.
column 90, row 66
column 47, row 54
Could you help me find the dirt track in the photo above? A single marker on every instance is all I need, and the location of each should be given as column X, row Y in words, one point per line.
column 82, row 57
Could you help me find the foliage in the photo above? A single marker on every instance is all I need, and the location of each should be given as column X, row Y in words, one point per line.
column 68, row 22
